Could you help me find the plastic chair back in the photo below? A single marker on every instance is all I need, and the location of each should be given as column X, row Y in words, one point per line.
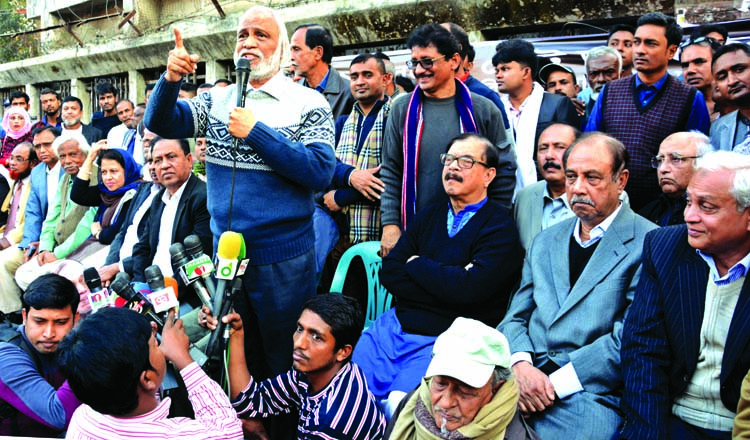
column 378, row 298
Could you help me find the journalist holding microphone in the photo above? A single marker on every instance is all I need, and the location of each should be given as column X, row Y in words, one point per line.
column 264, row 160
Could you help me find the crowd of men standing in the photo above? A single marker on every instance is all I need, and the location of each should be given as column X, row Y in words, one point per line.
column 563, row 262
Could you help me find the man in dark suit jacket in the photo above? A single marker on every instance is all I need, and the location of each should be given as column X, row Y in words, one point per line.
column 176, row 211
column 686, row 341
column 312, row 52
column 529, row 108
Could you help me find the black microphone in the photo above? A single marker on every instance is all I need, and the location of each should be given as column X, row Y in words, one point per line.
column 194, row 248
column 161, row 297
column 243, row 75
column 121, row 286
column 180, row 260
column 214, row 343
column 98, row 296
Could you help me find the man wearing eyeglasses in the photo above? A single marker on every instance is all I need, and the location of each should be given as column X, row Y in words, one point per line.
column 459, row 257
column 675, row 165
column 42, row 185
column 642, row 110
column 419, row 126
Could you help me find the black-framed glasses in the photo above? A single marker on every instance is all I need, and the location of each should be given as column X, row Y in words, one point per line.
column 675, row 159
column 699, row 40
column 464, row 162
column 426, row 63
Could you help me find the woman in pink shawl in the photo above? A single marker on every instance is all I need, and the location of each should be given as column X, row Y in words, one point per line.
column 17, row 126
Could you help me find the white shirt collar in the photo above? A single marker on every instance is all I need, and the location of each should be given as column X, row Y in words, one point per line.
column 166, row 198
column 597, row 233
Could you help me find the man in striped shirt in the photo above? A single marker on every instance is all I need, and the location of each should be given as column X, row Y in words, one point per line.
column 327, row 389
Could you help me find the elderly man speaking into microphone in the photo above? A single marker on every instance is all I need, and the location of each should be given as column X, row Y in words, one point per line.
column 263, row 187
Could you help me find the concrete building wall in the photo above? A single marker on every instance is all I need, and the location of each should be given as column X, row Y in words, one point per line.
column 89, row 40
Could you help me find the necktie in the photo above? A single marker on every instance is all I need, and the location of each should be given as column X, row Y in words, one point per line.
column 14, row 204
column 129, row 143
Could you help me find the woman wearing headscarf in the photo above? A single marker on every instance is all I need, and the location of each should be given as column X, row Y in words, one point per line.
column 118, row 179
column 17, row 126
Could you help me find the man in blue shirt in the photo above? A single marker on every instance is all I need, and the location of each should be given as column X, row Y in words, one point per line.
column 642, row 110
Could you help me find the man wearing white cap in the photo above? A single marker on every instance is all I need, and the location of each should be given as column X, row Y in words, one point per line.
column 468, row 391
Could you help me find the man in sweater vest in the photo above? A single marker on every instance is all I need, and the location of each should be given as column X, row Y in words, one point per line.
column 686, row 339
column 642, row 110
column 459, row 257
column 564, row 323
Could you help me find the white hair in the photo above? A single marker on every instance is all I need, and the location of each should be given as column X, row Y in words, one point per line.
column 737, row 163
column 68, row 136
column 282, row 55
column 600, row 52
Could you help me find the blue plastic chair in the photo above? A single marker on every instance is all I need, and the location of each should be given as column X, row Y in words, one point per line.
column 378, row 299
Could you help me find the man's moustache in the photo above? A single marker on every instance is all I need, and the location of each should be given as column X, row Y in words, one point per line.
column 456, row 177
column 551, row 164
column 579, row 199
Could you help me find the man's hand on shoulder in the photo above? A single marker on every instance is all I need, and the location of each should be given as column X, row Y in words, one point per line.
column 180, row 62
column 535, row 388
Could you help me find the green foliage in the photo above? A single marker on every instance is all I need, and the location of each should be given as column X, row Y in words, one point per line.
column 14, row 45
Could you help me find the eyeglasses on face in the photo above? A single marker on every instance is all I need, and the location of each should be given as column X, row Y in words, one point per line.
column 464, row 162
column 426, row 63
column 675, row 159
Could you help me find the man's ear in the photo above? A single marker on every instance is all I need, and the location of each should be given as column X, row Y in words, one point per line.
column 149, row 380
column 318, row 52
column 344, row 352
column 489, row 176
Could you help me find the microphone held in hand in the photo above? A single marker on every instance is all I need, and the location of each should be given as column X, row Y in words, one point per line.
column 243, row 75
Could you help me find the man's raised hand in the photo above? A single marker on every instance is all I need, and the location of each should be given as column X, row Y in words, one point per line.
column 180, row 62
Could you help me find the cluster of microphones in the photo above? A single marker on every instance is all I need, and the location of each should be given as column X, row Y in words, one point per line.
column 155, row 298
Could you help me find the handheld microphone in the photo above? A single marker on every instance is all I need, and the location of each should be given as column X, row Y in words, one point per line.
column 243, row 74
column 98, row 296
column 122, row 288
column 162, row 298
column 203, row 264
column 222, row 329
column 190, row 273
column 229, row 248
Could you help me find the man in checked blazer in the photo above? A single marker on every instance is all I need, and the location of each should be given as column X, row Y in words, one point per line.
column 686, row 342
column 565, row 322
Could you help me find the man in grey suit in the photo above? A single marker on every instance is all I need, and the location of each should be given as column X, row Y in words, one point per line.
column 565, row 322
column 731, row 69
column 544, row 203
column 312, row 52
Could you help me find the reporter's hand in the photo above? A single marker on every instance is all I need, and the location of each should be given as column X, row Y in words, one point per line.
column 234, row 322
column 366, row 183
column 241, row 121
column 175, row 343
column 535, row 388
column 180, row 62
column 206, row 319
column 391, row 234
column 108, row 273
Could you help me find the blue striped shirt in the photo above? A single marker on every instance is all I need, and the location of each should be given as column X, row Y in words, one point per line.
column 344, row 409
column 733, row 274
